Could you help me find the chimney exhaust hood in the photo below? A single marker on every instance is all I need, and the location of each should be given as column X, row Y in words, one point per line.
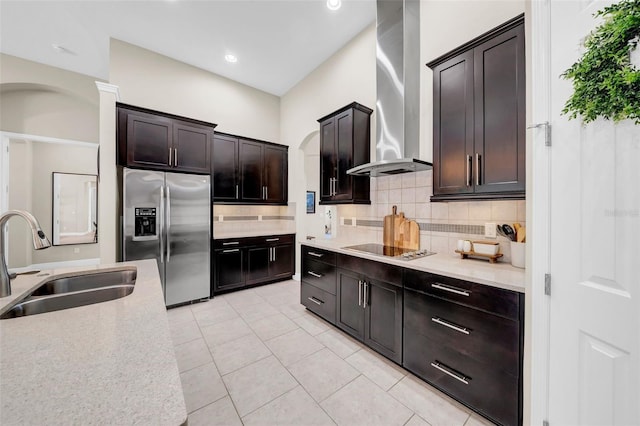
column 398, row 91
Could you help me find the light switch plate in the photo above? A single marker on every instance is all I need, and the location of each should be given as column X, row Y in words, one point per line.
column 353, row 221
column 490, row 230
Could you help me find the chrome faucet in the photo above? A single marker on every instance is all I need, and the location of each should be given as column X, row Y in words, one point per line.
column 40, row 241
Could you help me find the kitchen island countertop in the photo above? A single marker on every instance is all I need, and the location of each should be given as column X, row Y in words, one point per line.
column 106, row 363
column 501, row 275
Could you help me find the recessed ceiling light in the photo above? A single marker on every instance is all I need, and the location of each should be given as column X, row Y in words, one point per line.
column 334, row 4
column 231, row 58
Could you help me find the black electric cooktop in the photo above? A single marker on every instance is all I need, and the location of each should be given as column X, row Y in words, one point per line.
column 390, row 251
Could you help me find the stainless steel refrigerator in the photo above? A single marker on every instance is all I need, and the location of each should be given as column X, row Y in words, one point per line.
column 167, row 217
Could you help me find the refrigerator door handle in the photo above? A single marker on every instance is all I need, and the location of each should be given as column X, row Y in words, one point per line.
column 161, row 230
column 168, row 212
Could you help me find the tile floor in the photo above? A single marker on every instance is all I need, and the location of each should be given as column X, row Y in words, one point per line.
column 257, row 357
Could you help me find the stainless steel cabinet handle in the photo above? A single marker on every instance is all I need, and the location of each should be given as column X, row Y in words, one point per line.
column 316, row 301
column 359, row 292
column 170, row 157
column 440, row 321
column 236, row 192
column 168, row 224
column 365, row 294
column 315, row 254
column 266, row 192
column 231, row 251
column 161, row 239
column 451, row 289
column 175, row 157
column 469, row 158
column 272, row 239
column 313, row 274
column 274, row 254
column 477, row 169
column 442, row 368
column 232, row 243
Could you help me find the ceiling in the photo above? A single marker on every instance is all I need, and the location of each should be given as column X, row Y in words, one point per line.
column 277, row 43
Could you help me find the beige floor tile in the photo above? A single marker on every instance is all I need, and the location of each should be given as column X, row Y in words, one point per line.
column 225, row 331
column 221, row 412
column 361, row 402
column 282, row 298
column 311, row 324
column 294, row 408
column 416, row 420
column 185, row 332
column 243, row 298
column 214, row 315
column 268, row 290
column 341, row 344
column 192, row 354
column 256, row 384
column 256, row 312
column 323, row 373
column 241, row 352
column 475, row 420
column 180, row 315
column 213, row 303
column 294, row 310
column 272, row 326
column 293, row 346
column 382, row 372
column 429, row 404
column 202, row 386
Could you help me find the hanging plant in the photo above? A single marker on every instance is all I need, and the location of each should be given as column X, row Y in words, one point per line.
column 605, row 82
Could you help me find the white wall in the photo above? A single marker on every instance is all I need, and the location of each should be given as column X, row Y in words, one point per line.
column 151, row 80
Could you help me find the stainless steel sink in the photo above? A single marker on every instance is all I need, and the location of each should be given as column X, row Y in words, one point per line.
column 86, row 282
column 33, row 306
column 70, row 292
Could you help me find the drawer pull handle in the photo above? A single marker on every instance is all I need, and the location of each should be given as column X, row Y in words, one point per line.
column 231, row 243
column 313, row 274
column 272, row 239
column 451, row 289
column 315, row 254
column 231, row 251
column 445, row 370
column 440, row 321
column 316, row 301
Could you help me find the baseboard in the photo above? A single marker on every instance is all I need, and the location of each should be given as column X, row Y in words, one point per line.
column 296, row 277
column 56, row 265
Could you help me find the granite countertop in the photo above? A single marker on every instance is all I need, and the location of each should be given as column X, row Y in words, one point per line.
column 107, row 363
column 245, row 234
column 501, row 275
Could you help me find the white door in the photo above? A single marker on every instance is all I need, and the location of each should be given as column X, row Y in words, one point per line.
column 594, row 375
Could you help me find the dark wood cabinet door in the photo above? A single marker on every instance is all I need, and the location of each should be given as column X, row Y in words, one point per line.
column 149, row 141
column 225, row 168
column 344, row 145
column 383, row 318
column 276, row 177
column 499, row 156
column 191, row 148
column 251, row 172
column 349, row 310
column 328, row 159
column 453, row 125
column 258, row 259
column 229, row 269
column 282, row 261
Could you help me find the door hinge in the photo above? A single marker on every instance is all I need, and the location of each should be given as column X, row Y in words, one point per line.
column 547, row 131
column 547, row 284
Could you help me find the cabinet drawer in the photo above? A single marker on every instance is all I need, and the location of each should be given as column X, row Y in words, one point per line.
column 487, row 338
column 378, row 270
column 277, row 239
column 318, row 301
column 319, row 274
column 319, row 255
column 491, row 299
column 490, row 392
column 229, row 243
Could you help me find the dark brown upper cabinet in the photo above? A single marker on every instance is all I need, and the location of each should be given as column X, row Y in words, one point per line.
column 154, row 140
column 345, row 137
column 479, row 117
column 248, row 171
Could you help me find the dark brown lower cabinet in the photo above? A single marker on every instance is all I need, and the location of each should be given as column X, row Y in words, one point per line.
column 243, row 262
column 371, row 311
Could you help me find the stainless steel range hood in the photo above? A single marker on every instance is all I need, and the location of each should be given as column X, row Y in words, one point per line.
column 398, row 91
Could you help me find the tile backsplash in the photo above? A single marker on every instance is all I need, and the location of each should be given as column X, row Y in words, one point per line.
column 442, row 224
column 238, row 219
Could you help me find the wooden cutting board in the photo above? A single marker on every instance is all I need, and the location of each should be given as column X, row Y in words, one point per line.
column 388, row 227
column 408, row 235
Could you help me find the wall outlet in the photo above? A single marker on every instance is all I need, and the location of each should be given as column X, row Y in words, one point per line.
column 342, row 221
column 221, row 218
column 76, row 250
column 490, row 230
column 259, row 218
column 353, row 221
